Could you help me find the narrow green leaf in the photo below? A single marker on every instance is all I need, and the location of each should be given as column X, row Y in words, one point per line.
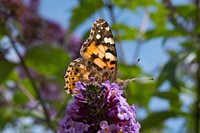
column 20, row 98
column 28, row 86
column 6, row 116
column 172, row 97
column 156, row 119
column 169, row 73
column 167, row 95
column 2, row 28
column 6, row 68
column 158, row 32
column 131, row 4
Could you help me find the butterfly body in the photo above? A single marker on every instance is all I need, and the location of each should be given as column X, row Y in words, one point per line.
column 98, row 58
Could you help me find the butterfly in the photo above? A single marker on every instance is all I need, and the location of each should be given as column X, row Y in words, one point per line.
column 98, row 59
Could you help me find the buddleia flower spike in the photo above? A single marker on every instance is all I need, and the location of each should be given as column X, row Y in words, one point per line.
column 99, row 108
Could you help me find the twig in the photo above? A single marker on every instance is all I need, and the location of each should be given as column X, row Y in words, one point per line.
column 197, row 114
column 27, row 93
column 197, row 104
column 32, row 83
column 143, row 29
column 172, row 15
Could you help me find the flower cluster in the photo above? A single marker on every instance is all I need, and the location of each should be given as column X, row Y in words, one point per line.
column 33, row 28
column 99, row 108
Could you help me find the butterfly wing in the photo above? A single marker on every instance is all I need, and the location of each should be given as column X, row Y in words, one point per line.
column 73, row 74
column 100, row 49
column 81, row 70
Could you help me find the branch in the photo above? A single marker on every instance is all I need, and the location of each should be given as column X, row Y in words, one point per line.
column 197, row 108
column 143, row 28
column 171, row 15
column 32, row 83
column 197, row 112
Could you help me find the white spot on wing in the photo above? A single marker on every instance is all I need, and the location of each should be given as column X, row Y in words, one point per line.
column 102, row 28
column 109, row 40
column 107, row 28
column 103, row 22
column 110, row 56
column 106, row 40
column 98, row 36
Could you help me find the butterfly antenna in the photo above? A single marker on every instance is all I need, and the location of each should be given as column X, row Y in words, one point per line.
column 130, row 70
column 142, row 79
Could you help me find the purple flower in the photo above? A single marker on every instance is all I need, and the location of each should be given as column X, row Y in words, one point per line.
column 106, row 128
column 122, row 113
column 80, row 86
column 99, row 108
column 11, row 9
column 33, row 6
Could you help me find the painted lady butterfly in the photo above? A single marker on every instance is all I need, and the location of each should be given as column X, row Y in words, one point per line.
column 99, row 59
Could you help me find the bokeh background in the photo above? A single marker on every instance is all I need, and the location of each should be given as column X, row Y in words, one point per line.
column 39, row 38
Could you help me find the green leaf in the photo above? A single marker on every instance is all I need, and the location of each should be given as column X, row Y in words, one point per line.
column 6, row 68
column 20, row 98
column 167, row 95
column 125, row 3
column 140, row 92
column 130, row 4
column 2, row 28
column 172, row 97
column 156, row 119
column 169, row 73
column 128, row 71
column 161, row 12
column 191, row 12
column 6, row 116
column 85, row 9
column 28, row 86
column 157, row 32
column 47, row 59
column 126, row 32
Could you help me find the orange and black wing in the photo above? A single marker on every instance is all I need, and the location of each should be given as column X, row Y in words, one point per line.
column 100, row 49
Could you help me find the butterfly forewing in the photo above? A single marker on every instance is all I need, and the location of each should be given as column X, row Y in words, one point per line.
column 99, row 48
